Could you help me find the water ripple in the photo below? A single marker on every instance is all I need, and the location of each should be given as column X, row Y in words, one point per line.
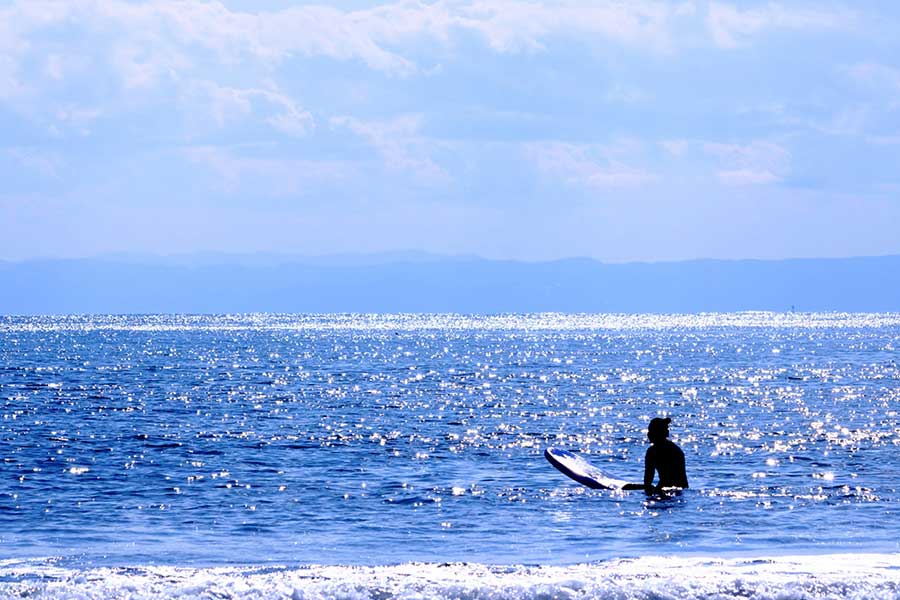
column 345, row 438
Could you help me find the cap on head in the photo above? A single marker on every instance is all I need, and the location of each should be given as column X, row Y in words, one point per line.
column 659, row 427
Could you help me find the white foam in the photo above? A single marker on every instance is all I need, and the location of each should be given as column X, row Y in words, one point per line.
column 783, row 578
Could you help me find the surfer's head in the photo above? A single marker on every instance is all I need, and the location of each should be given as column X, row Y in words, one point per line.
column 658, row 430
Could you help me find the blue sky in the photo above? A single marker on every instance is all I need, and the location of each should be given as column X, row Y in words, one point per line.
column 531, row 130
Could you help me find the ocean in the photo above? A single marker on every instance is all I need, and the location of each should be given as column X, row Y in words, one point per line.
column 401, row 456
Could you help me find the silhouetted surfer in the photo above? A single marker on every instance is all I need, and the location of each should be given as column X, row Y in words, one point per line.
column 663, row 457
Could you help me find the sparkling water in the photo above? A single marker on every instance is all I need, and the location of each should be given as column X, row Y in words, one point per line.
column 298, row 455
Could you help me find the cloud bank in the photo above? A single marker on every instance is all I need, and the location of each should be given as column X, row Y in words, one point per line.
column 496, row 115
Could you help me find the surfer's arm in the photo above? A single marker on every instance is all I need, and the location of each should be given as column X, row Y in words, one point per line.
column 684, row 481
column 649, row 470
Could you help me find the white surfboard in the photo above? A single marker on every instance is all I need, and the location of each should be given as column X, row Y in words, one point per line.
column 575, row 467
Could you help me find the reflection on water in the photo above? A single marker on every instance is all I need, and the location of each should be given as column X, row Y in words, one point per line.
column 372, row 439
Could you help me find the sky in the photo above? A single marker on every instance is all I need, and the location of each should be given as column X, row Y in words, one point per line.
column 509, row 129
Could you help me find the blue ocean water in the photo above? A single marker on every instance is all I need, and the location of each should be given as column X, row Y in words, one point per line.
column 401, row 455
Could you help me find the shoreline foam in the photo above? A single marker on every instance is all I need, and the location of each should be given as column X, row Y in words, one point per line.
column 789, row 577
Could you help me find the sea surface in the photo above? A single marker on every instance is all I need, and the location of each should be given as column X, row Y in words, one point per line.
column 401, row 456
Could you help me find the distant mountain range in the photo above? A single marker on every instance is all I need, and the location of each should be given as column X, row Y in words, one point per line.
column 417, row 282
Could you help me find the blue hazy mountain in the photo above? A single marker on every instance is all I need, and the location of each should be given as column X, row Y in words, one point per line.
column 419, row 282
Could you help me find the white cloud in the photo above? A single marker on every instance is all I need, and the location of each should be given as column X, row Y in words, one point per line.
column 11, row 49
column 847, row 119
column 877, row 74
column 227, row 104
column 756, row 163
column 885, row 140
column 753, row 163
column 748, row 177
column 851, row 121
column 731, row 26
column 150, row 41
column 236, row 174
column 155, row 51
column 156, row 40
column 76, row 118
column 171, row 46
column 510, row 25
column 882, row 79
column 10, row 85
column 676, row 148
column 587, row 165
column 626, row 94
column 45, row 164
column 399, row 142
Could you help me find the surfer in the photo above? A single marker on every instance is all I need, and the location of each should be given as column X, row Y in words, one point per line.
column 663, row 457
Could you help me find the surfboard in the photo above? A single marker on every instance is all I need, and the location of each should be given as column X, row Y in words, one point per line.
column 575, row 467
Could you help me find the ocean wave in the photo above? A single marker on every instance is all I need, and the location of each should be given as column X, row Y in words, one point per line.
column 783, row 578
